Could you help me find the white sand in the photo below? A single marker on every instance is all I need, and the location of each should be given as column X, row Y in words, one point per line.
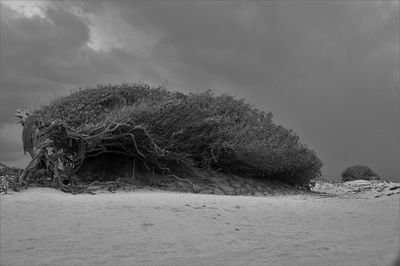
column 43, row 226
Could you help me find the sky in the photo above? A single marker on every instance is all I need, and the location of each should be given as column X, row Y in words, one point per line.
column 328, row 70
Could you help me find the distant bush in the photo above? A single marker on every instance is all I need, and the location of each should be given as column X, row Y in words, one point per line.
column 202, row 130
column 359, row 172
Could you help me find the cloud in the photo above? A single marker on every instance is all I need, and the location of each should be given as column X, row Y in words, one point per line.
column 43, row 57
column 10, row 142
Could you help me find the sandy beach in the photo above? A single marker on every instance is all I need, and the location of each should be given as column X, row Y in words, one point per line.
column 43, row 226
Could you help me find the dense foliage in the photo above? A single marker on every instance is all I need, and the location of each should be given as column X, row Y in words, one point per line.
column 220, row 133
column 359, row 172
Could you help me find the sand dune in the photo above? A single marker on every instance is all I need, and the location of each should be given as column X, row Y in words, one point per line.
column 42, row 226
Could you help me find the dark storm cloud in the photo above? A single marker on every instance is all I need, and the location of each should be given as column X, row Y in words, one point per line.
column 46, row 56
column 258, row 43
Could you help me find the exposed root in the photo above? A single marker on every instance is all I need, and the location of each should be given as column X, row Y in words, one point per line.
column 181, row 179
column 61, row 149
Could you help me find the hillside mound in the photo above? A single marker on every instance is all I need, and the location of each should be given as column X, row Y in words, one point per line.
column 151, row 134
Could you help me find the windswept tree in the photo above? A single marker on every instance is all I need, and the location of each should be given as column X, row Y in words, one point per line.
column 115, row 129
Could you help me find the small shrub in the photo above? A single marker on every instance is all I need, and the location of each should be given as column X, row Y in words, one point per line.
column 359, row 172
